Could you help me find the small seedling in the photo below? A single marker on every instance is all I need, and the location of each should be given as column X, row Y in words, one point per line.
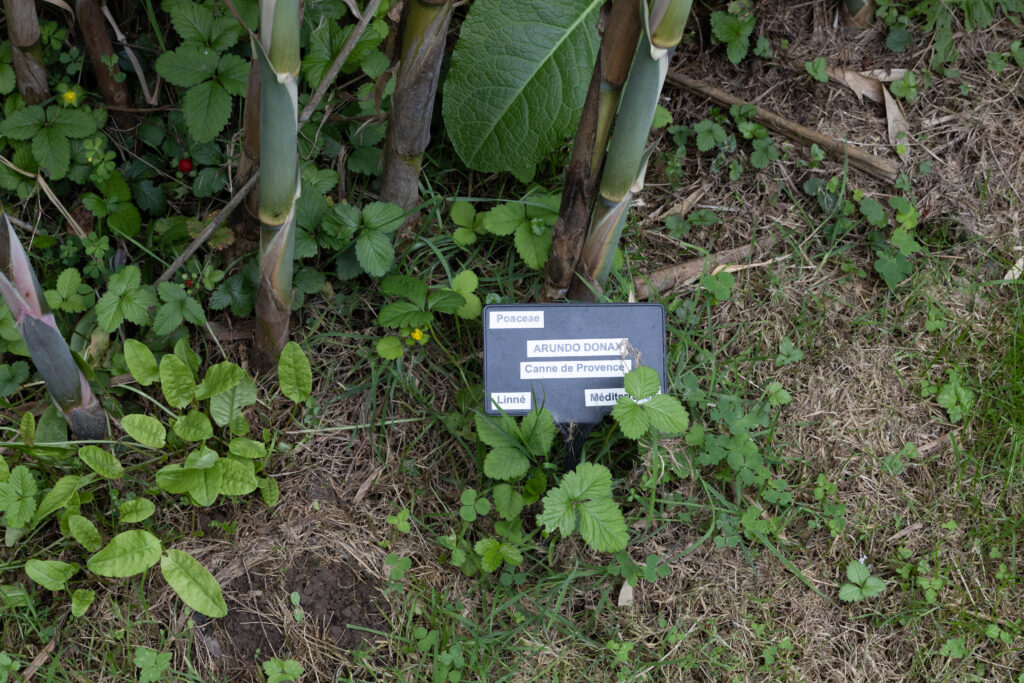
column 861, row 585
column 297, row 613
column 281, row 671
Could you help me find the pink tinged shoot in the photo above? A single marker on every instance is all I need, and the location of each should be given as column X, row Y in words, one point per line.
column 50, row 353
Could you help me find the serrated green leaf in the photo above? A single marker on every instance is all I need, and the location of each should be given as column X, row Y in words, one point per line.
column 145, row 429
column 53, row 152
column 641, row 382
column 125, row 299
column 538, row 431
column 194, row 427
column 50, row 574
column 84, row 531
column 375, row 252
column 533, row 248
column 506, row 464
column 294, row 373
column 233, row 74
column 518, row 77
column 237, row 477
column 403, row 314
column 465, row 282
column 667, row 414
column 383, row 216
column 57, row 497
column 874, row 212
column 631, row 417
column 196, row 586
column 857, row 573
column 141, row 362
column 136, row 510
column 390, row 347
column 602, row 525
column 206, row 108
column 849, row 592
column 496, row 431
column 558, row 512
column 127, row 554
column 23, row 124
column 176, row 381
column 507, row 501
column 81, row 600
column 472, row 307
column 187, row 65
column 873, row 587
column 504, row 218
column 445, row 301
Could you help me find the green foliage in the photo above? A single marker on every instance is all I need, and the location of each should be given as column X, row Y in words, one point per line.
column 645, row 408
column 126, row 299
column 366, row 235
column 956, row 398
column 816, row 69
column 151, row 664
column 583, row 501
column 860, row 585
column 905, row 87
column 281, row 671
column 734, row 30
column 518, row 77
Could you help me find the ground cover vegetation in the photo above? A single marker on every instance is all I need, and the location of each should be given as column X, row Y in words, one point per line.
column 244, row 256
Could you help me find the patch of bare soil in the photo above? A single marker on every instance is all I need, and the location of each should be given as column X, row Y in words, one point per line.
column 334, row 597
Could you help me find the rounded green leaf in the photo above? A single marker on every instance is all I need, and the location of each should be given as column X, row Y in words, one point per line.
column 269, row 490
column 141, row 362
column 390, row 347
column 100, row 461
column 176, row 381
column 247, row 448
column 57, row 497
column 84, row 531
column 194, row 427
column 136, row 510
column 145, row 429
column 177, row 479
column 129, row 553
column 518, row 78
column 294, row 373
column 50, row 574
column 237, row 477
column 81, row 600
column 196, row 586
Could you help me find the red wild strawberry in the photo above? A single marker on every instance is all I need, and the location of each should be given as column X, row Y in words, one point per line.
column 185, row 165
column 189, row 283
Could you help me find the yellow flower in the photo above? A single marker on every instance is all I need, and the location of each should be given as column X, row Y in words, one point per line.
column 417, row 334
column 70, row 97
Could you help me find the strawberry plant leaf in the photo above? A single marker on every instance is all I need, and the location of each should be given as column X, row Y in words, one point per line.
column 206, row 108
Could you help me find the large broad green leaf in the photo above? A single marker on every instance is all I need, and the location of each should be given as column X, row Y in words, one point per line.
column 225, row 406
column 177, row 381
column 518, row 78
column 57, row 497
column 237, row 477
column 207, row 108
column 136, row 510
column 141, row 362
column 129, row 553
column 50, row 574
column 196, row 586
column 294, row 373
column 101, row 462
column 85, row 532
column 145, row 429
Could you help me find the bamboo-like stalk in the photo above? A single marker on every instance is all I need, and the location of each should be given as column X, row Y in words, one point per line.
column 626, row 162
column 99, row 47
column 618, row 44
column 29, row 70
column 424, row 27
column 278, row 52
column 248, row 160
column 50, row 353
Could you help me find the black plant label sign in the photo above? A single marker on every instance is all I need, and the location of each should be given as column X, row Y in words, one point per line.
column 568, row 358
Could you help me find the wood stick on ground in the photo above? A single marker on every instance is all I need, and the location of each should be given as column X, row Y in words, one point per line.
column 665, row 279
column 884, row 169
column 210, row 227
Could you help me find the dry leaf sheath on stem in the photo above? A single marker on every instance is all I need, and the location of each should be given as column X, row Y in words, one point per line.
column 49, row 351
column 618, row 45
column 278, row 51
column 424, row 27
column 626, row 162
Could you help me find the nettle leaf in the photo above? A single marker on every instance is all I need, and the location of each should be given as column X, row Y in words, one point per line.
column 294, row 373
column 188, row 65
column 84, row 531
column 193, row 583
column 518, row 77
column 141, row 362
column 506, row 464
column 18, row 497
column 50, row 574
column 176, row 381
column 81, row 600
column 207, row 108
column 586, row 493
column 145, row 429
column 194, row 427
column 129, row 553
column 136, row 510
